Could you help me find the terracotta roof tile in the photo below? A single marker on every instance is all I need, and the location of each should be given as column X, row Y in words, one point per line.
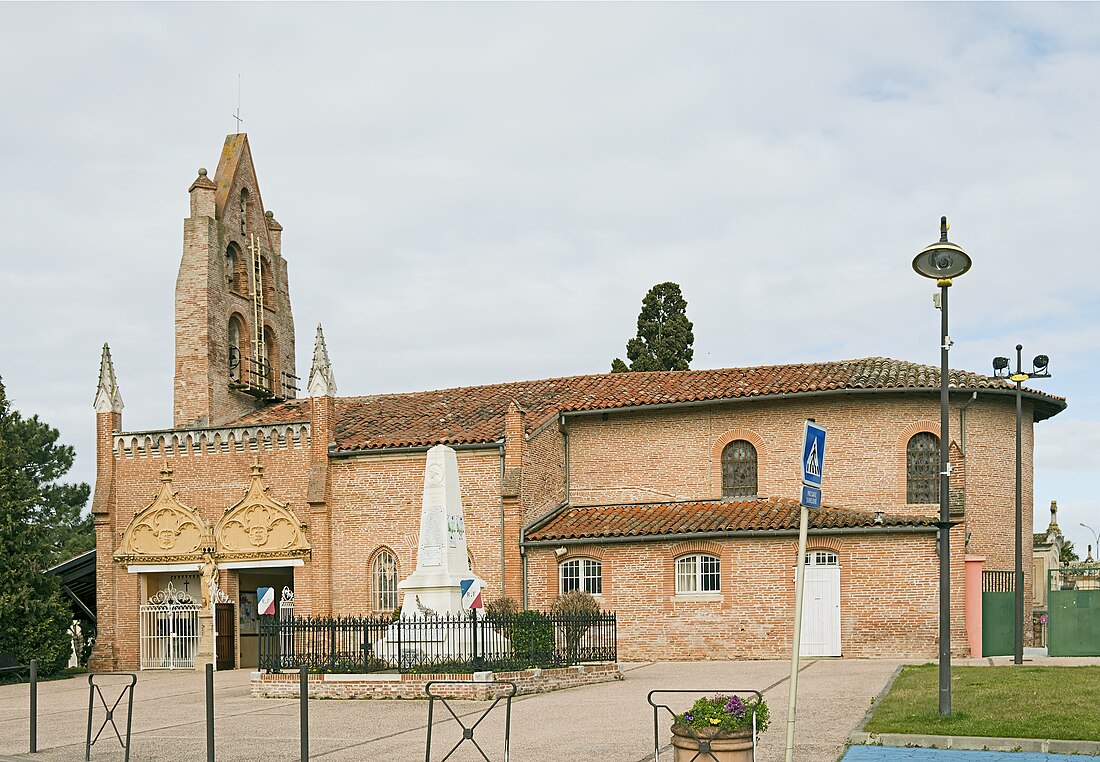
column 475, row 414
column 763, row 515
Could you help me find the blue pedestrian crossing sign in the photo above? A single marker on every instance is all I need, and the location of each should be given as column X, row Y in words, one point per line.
column 813, row 454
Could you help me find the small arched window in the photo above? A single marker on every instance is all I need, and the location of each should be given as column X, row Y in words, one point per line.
column 384, row 581
column 739, row 469
column 821, row 558
column 236, row 272
column 698, row 574
column 244, row 210
column 268, row 276
column 269, row 356
column 581, row 574
column 922, row 463
column 236, row 330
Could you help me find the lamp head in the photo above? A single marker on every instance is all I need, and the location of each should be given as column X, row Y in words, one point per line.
column 1041, row 362
column 1000, row 367
column 942, row 260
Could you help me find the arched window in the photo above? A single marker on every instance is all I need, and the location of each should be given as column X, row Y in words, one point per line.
column 384, row 581
column 739, row 469
column 698, row 574
column 236, row 272
column 244, row 210
column 268, row 276
column 922, row 465
column 581, row 574
column 821, row 558
column 270, row 356
column 236, row 329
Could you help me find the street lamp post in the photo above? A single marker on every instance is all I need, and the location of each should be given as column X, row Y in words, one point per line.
column 1095, row 539
column 943, row 261
column 1000, row 368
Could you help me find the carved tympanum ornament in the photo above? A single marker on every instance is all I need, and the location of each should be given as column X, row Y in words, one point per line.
column 165, row 531
column 260, row 527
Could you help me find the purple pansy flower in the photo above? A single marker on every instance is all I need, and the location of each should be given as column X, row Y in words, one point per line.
column 735, row 706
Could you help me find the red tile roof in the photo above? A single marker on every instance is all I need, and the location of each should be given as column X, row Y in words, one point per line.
column 760, row 515
column 475, row 414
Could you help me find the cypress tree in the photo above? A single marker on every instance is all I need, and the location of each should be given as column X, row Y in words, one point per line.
column 664, row 340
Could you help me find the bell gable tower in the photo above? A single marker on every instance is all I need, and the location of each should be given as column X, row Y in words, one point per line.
column 234, row 327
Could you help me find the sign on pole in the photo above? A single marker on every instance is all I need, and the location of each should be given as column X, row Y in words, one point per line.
column 811, row 497
column 471, row 593
column 813, row 454
column 813, row 462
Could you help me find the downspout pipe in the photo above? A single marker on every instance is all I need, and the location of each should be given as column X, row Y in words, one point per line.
column 962, row 422
column 523, row 543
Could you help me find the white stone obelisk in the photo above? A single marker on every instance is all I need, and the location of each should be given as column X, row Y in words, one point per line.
column 442, row 561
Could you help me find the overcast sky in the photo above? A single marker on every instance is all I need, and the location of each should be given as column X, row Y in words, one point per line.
column 478, row 193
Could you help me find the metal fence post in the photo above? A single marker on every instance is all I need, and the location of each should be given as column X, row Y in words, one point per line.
column 304, row 700
column 209, row 713
column 34, row 705
column 473, row 620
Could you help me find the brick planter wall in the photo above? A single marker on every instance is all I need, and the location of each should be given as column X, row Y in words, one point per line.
column 408, row 686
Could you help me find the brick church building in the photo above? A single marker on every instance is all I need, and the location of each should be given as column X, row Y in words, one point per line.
column 671, row 496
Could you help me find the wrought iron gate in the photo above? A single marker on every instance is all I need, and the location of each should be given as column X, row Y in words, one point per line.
column 169, row 633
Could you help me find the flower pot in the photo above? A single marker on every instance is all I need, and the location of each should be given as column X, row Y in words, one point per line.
column 731, row 746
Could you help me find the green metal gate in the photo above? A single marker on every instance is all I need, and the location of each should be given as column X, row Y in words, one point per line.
column 1074, row 611
column 998, row 613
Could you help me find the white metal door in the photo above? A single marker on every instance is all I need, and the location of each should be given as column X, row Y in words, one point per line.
column 821, row 606
column 169, row 630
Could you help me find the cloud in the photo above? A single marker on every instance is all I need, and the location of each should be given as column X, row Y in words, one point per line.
column 476, row 193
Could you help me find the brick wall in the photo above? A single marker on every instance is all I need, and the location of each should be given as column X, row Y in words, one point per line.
column 376, row 501
column 888, row 596
column 207, row 294
column 476, row 687
column 676, row 455
column 207, row 480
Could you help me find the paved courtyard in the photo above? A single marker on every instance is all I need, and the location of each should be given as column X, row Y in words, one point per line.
column 611, row 721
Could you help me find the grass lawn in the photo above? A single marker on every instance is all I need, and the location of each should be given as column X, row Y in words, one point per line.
column 1003, row 702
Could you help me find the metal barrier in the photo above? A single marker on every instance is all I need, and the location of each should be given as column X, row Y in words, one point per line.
column 127, row 690
column 468, row 732
column 442, row 643
column 704, row 743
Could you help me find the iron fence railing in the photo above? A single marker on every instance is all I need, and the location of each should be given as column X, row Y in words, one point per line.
column 998, row 581
column 1075, row 577
column 461, row 642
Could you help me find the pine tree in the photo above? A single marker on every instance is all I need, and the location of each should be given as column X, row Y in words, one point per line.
column 664, row 340
column 39, row 525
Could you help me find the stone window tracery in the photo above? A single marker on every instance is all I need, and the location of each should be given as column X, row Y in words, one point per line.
column 739, row 469
column 922, row 462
